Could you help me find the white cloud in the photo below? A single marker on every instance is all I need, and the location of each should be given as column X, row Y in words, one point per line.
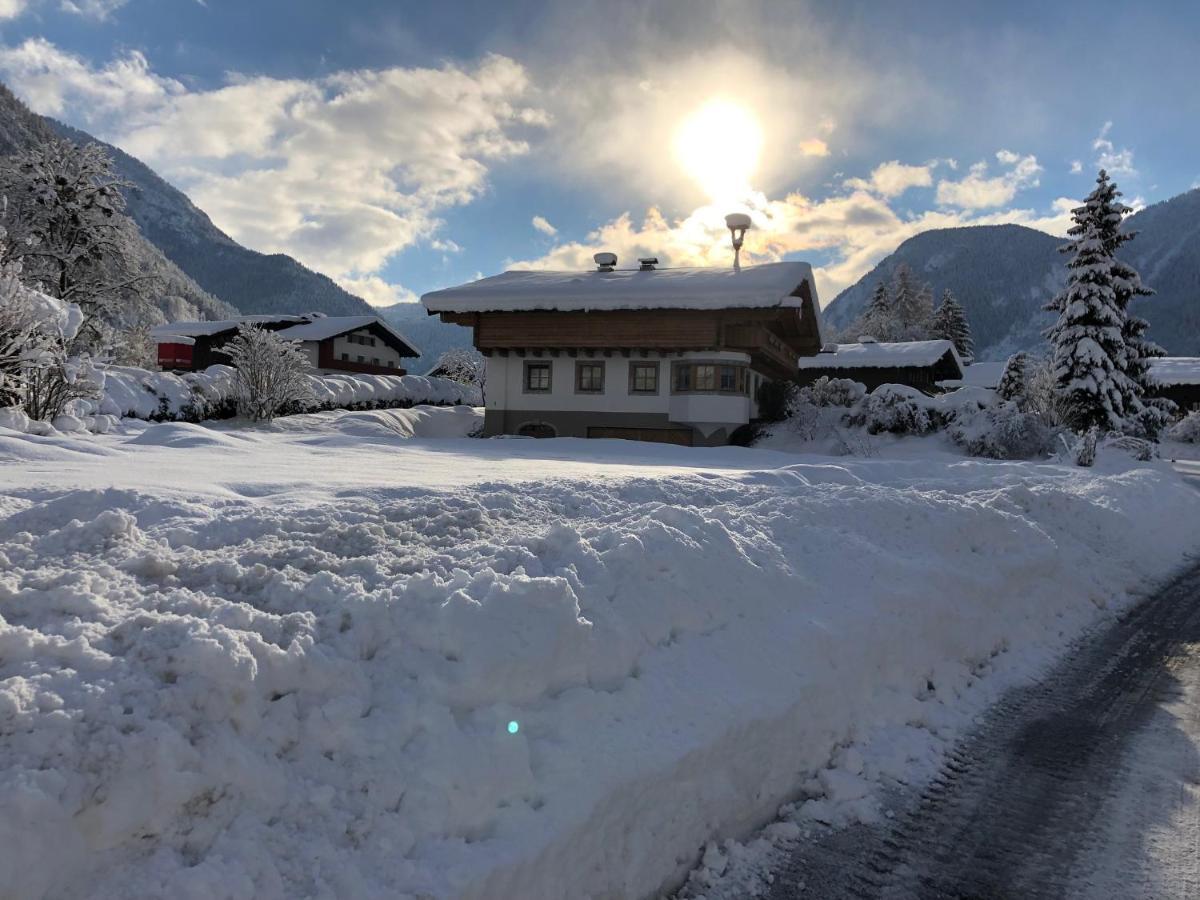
column 544, row 226
column 1076, row 167
column 979, row 191
column 857, row 228
column 377, row 291
column 813, row 147
column 341, row 172
column 893, row 178
column 93, row 9
column 10, row 9
column 1116, row 162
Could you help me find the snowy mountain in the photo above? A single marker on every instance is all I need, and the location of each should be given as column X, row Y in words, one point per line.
column 253, row 282
column 180, row 296
column 1003, row 274
column 430, row 333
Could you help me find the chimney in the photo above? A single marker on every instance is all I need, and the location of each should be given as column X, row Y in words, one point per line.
column 605, row 262
column 647, row 263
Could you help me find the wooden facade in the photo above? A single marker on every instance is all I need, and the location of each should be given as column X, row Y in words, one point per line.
column 922, row 377
column 772, row 337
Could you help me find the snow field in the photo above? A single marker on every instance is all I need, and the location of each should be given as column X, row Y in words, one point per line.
column 208, row 695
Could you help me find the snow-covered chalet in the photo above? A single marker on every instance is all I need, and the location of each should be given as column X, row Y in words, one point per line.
column 673, row 355
column 362, row 344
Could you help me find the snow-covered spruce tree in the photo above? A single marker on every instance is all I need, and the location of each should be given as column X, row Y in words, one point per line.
column 270, row 375
column 949, row 322
column 1087, row 342
column 912, row 305
column 1148, row 415
column 877, row 320
column 1012, row 379
column 63, row 213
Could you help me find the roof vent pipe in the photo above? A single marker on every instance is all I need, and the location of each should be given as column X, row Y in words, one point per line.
column 647, row 263
column 605, row 262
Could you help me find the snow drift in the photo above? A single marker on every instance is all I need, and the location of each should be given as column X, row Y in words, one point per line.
column 216, row 696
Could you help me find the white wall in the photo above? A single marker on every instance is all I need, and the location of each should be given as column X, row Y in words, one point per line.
column 506, row 377
column 379, row 355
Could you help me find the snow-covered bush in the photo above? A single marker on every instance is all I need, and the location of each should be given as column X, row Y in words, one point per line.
column 1043, row 397
column 270, row 374
column 1139, row 448
column 827, row 391
column 1187, row 429
column 462, row 364
column 898, row 409
column 1003, row 431
column 804, row 418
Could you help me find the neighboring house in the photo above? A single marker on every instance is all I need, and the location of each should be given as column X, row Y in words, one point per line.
column 364, row 344
column 670, row 355
column 918, row 364
column 1178, row 378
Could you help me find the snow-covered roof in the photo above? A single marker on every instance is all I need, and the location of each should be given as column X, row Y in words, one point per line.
column 332, row 326
column 206, row 329
column 183, row 339
column 767, row 285
column 872, row 355
column 1176, row 369
column 306, row 328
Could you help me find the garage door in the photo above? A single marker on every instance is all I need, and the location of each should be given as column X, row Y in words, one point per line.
column 681, row 436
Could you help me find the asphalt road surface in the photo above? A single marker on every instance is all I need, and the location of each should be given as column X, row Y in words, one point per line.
column 1085, row 785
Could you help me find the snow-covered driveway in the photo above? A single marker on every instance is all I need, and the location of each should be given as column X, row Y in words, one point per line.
column 1085, row 785
column 333, row 660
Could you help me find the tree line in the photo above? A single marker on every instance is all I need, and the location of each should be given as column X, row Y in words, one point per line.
column 902, row 309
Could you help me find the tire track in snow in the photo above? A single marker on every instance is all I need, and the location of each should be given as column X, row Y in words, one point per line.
column 1084, row 784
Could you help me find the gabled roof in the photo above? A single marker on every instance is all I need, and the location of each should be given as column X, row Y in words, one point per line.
column 207, row 329
column 753, row 287
column 1176, row 369
column 320, row 329
column 882, row 355
column 297, row 328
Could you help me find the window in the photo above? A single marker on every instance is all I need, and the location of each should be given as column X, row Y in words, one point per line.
column 374, row 360
column 390, row 364
column 589, row 378
column 361, row 359
column 643, row 378
column 537, row 378
column 710, row 378
column 372, row 340
column 345, row 357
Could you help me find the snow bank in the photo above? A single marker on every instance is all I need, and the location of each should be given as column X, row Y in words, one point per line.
column 226, row 697
column 142, row 394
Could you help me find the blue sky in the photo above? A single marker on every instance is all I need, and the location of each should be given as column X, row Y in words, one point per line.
column 400, row 147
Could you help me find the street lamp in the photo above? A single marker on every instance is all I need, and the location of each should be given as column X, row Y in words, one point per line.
column 737, row 223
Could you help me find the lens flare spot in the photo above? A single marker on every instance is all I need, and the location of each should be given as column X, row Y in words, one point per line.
column 513, row 727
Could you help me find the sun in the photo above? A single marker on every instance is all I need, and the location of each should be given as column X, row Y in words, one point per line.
column 718, row 146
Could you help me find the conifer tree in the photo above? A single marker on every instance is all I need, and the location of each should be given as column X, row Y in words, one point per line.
column 912, row 305
column 1012, row 380
column 949, row 323
column 877, row 319
column 1088, row 348
column 1152, row 414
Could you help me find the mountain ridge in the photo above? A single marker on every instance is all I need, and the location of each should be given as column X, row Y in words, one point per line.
column 1004, row 274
